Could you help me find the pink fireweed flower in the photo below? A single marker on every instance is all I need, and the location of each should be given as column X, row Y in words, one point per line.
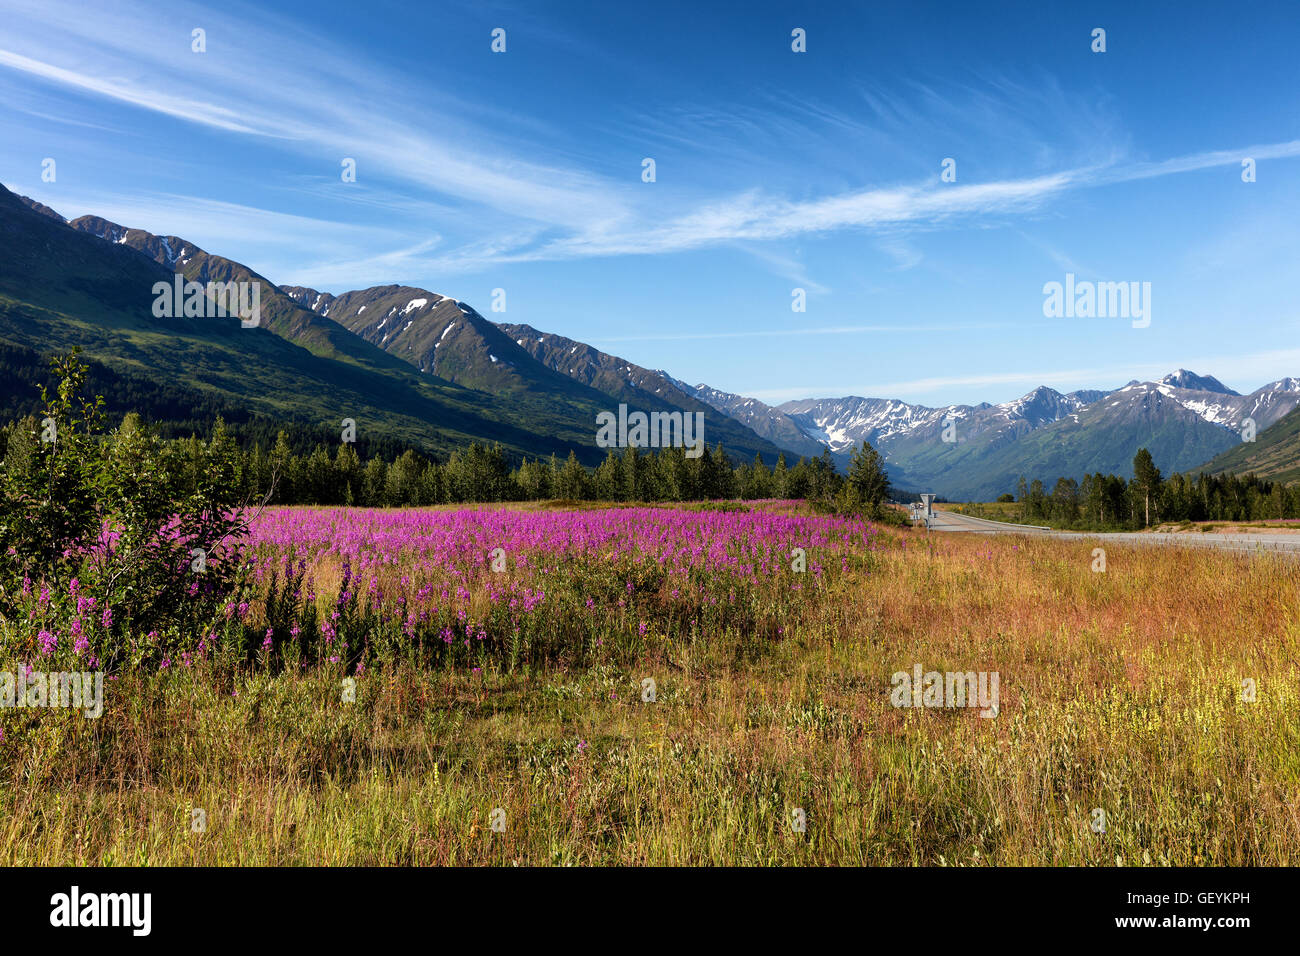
column 48, row 642
column 79, row 641
column 443, row 552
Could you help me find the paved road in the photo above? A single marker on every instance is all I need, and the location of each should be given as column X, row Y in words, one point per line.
column 951, row 521
column 1288, row 544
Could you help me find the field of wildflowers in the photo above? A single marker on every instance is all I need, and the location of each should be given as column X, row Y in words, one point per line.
column 470, row 586
column 381, row 683
column 348, row 586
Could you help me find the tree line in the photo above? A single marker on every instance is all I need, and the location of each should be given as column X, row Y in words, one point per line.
column 1100, row 501
column 483, row 473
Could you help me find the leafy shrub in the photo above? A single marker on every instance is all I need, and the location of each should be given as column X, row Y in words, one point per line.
column 113, row 546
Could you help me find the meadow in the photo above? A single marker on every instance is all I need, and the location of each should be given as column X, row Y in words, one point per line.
column 469, row 686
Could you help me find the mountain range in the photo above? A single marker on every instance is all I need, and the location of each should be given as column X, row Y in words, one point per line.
column 1184, row 420
column 424, row 370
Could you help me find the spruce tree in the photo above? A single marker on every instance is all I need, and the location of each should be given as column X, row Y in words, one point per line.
column 868, row 480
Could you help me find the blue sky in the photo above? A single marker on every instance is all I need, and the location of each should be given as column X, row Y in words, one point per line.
column 775, row 170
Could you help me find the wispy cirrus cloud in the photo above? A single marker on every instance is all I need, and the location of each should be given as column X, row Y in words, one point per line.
column 255, row 88
column 536, row 203
column 190, row 110
column 754, row 217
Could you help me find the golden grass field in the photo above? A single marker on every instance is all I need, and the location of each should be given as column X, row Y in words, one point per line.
column 1119, row 690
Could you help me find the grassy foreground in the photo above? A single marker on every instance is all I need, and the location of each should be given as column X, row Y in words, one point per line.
column 1119, row 690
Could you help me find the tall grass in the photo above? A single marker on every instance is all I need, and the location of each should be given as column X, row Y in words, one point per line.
column 1120, row 691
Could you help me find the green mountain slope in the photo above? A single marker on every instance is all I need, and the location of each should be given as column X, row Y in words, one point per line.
column 644, row 390
column 1275, row 453
column 279, row 313
column 444, row 337
column 62, row 286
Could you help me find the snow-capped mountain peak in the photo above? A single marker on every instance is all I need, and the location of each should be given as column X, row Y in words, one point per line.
column 1283, row 385
column 1040, row 406
column 1199, row 383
